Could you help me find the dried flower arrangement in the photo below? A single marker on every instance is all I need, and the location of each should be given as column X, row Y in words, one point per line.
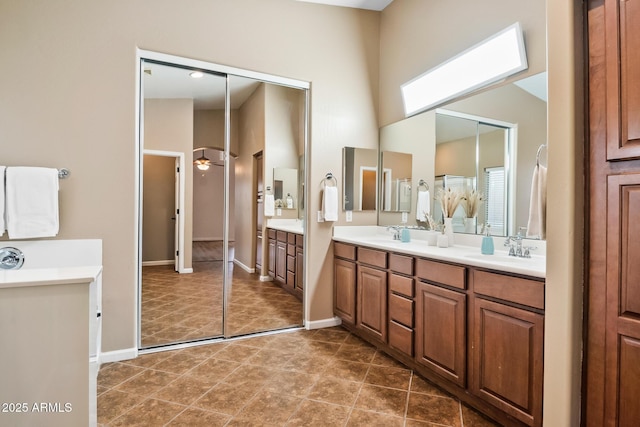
column 430, row 221
column 471, row 202
column 449, row 200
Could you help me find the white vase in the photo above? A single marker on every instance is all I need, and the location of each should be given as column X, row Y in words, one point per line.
column 448, row 229
column 470, row 225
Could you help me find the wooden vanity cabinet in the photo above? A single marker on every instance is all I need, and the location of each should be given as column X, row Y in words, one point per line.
column 476, row 333
column 441, row 320
column 286, row 260
column 507, row 344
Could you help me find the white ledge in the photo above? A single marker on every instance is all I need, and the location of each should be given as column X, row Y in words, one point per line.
column 289, row 225
column 48, row 276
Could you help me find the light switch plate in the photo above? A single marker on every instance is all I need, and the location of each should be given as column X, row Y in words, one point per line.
column 320, row 216
column 349, row 216
column 279, row 212
column 404, row 217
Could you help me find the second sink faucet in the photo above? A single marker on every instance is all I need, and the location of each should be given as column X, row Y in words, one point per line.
column 515, row 245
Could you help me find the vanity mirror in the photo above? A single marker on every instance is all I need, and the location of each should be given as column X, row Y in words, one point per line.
column 487, row 122
column 360, row 179
column 285, row 187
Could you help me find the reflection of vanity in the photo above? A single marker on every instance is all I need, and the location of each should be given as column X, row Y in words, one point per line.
column 471, row 324
column 285, row 254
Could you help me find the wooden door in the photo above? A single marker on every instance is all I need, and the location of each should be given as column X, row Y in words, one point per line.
column 259, row 209
column 612, row 359
column 372, row 302
column 507, row 359
column 441, row 331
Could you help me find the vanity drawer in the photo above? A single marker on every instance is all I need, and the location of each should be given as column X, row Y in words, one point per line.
column 281, row 236
column 401, row 338
column 291, row 238
column 401, row 310
column 401, row 264
column 372, row 257
column 342, row 250
column 515, row 289
column 299, row 240
column 437, row 272
column 291, row 249
column 401, row 285
column 271, row 233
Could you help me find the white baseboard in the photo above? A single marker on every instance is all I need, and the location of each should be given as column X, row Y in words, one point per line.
column 244, row 267
column 118, row 355
column 324, row 323
column 162, row 262
column 186, row 271
column 266, row 279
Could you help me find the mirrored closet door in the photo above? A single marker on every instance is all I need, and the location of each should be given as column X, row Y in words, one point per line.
column 213, row 145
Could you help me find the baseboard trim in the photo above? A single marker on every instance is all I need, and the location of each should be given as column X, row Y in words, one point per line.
column 266, row 279
column 118, row 355
column 244, row 267
column 186, row 271
column 324, row 323
column 154, row 263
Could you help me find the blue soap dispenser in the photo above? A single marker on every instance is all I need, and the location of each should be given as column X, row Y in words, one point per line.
column 487, row 241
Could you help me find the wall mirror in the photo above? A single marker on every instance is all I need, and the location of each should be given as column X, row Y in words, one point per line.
column 484, row 120
column 285, row 188
column 360, row 179
column 396, row 185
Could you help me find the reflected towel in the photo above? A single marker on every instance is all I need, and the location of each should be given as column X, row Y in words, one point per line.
column 423, row 207
column 269, row 205
column 32, row 202
column 2, row 226
column 330, row 203
column 537, row 225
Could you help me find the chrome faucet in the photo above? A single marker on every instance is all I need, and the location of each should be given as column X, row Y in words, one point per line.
column 11, row 258
column 514, row 243
column 396, row 231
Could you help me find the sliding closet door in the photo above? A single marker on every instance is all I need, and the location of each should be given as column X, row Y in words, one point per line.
column 182, row 245
column 266, row 142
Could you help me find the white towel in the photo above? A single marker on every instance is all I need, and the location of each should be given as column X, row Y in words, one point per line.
column 269, row 205
column 537, row 225
column 423, row 207
column 32, row 202
column 2, row 226
column 330, row 203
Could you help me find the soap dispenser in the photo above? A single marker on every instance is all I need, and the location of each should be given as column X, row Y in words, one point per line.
column 487, row 241
column 289, row 201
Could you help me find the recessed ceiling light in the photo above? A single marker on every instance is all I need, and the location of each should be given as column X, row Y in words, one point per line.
column 196, row 74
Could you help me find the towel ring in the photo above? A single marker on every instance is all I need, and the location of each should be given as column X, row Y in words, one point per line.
column 63, row 173
column 422, row 184
column 329, row 177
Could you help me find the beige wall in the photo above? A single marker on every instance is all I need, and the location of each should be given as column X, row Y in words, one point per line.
column 83, row 114
column 208, row 129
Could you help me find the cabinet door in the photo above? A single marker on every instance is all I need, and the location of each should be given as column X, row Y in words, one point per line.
column 622, row 35
column 299, row 269
column 344, row 290
column 372, row 302
column 507, row 359
column 281, row 261
column 272, row 258
column 441, row 331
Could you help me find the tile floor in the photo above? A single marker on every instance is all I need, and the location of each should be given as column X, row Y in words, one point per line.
column 325, row 377
column 182, row 307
